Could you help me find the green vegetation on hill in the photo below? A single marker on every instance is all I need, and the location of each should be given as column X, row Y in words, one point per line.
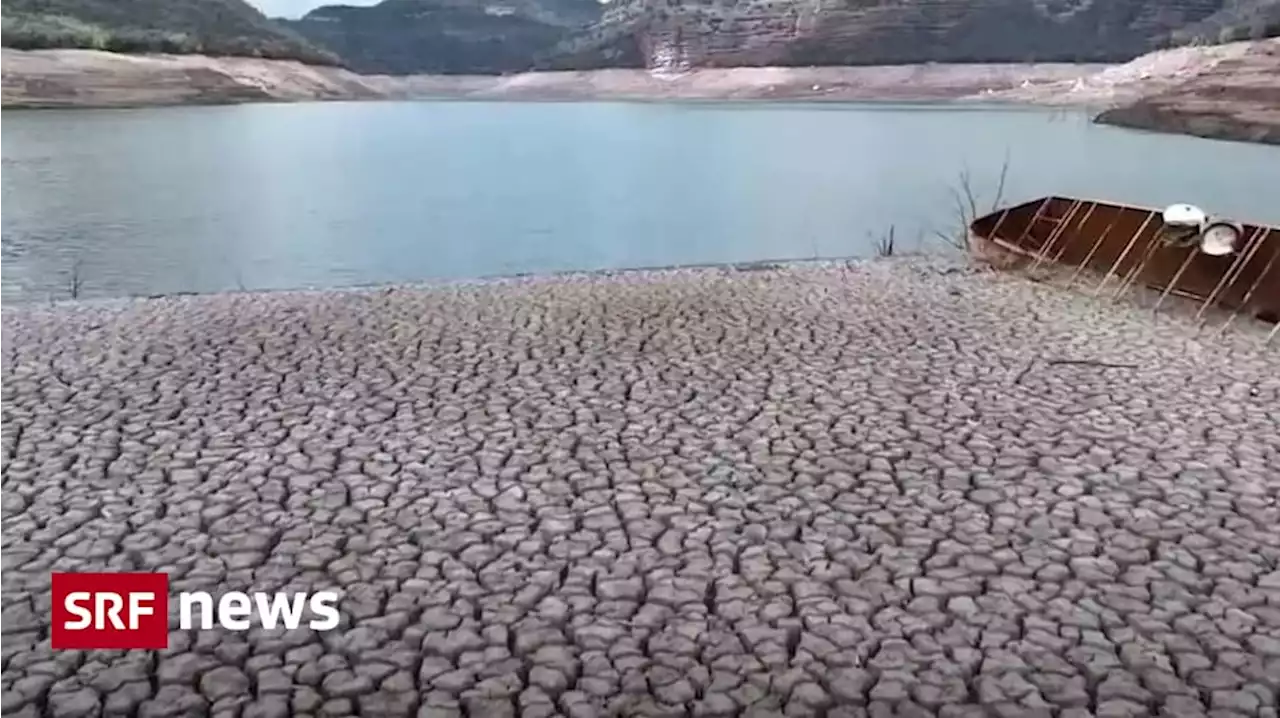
column 212, row 27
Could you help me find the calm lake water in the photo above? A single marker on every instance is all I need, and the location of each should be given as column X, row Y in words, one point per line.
column 320, row 195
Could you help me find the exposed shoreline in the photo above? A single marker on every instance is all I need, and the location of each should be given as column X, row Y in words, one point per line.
column 769, row 491
column 436, row 284
column 905, row 83
column 1228, row 91
column 1235, row 98
column 93, row 79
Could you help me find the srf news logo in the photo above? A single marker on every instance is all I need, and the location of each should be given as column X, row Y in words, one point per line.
column 121, row 611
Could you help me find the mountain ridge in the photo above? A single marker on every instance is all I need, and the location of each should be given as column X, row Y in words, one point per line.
column 503, row 36
column 444, row 36
column 715, row 33
column 500, row 37
column 210, row 27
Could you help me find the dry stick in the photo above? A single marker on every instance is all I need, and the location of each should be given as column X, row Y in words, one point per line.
column 1058, row 231
column 1120, row 260
column 1091, row 362
column 1004, row 175
column 1176, row 276
column 1025, row 370
column 961, row 242
column 1131, row 277
column 1251, row 248
column 1026, row 231
column 965, row 196
column 1229, row 277
column 76, row 281
column 1092, row 251
column 1253, row 288
column 1272, row 335
column 966, row 184
column 996, row 229
column 1079, row 226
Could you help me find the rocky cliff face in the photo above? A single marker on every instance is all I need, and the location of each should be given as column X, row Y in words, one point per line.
column 497, row 36
column 709, row 33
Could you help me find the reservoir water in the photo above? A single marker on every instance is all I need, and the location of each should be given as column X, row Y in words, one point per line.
column 199, row 199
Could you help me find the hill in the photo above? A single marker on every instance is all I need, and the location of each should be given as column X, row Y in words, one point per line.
column 211, row 27
column 501, row 36
column 720, row 33
column 445, row 36
column 497, row 37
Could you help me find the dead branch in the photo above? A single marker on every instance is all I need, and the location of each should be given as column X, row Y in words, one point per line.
column 1090, row 362
column 76, row 281
column 1004, row 175
column 1072, row 362
column 886, row 245
column 966, row 202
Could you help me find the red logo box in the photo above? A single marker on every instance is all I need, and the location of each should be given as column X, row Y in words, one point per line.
column 110, row 611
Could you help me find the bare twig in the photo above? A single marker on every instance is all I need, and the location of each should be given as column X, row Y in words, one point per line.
column 966, row 184
column 76, row 280
column 886, row 245
column 1004, row 175
column 966, row 202
column 1091, row 362
column 1025, row 370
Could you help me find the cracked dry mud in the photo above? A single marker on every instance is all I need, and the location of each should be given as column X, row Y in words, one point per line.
column 826, row 491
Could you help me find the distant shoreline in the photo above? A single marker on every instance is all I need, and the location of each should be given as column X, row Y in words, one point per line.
column 1227, row 91
column 94, row 79
column 884, row 83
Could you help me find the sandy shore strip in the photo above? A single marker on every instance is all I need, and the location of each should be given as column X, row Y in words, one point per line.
column 88, row 78
column 885, row 82
column 903, row 485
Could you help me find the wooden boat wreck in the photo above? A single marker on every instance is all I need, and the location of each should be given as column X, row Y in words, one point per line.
column 1178, row 250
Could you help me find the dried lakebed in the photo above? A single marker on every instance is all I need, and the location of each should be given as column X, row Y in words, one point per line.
column 861, row 490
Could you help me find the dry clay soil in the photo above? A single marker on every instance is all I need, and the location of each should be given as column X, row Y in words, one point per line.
column 867, row 490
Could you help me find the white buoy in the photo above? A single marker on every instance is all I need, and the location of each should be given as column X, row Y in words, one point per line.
column 1184, row 215
column 1219, row 238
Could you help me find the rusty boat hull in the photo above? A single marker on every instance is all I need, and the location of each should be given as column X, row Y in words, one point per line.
column 1128, row 246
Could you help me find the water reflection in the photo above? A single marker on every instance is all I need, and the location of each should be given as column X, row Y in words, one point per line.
column 273, row 196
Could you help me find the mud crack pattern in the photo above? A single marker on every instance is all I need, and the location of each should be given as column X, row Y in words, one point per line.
column 865, row 490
